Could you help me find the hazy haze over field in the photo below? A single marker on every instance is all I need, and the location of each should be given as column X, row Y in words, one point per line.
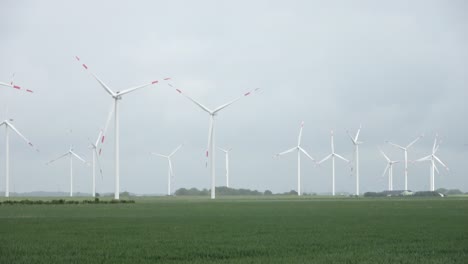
column 398, row 68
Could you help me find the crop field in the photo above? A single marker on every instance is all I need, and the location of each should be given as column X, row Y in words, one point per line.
column 238, row 230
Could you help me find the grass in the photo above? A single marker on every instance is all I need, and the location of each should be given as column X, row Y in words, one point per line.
column 238, row 230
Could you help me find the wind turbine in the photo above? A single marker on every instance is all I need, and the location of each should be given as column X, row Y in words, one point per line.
column 211, row 142
column 70, row 153
column 332, row 157
column 9, row 126
column 94, row 148
column 171, row 172
column 389, row 167
column 226, row 154
column 116, row 96
column 433, row 158
column 356, row 144
column 405, row 149
column 299, row 149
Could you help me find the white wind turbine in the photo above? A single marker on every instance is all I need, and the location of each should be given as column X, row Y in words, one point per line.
column 356, row 144
column 226, row 154
column 9, row 126
column 433, row 158
column 170, row 172
column 405, row 149
column 299, row 149
column 332, row 157
column 116, row 96
column 96, row 153
column 389, row 167
column 211, row 142
column 70, row 153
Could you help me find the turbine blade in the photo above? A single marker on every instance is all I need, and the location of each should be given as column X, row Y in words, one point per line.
column 175, row 150
column 286, row 152
column 357, row 134
column 106, row 88
column 77, row 156
column 350, row 137
column 332, row 143
column 223, row 150
column 414, row 141
column 385, row 156
column 342, row 158
column 441, row 163
column 104, row 131
column 436, row 169
column 136, row 88
column 66, row 154
column 300, row 134
column 386, row 168
column 395, row 145
column 17, row 87
column 19, row 134
column 204, row 108
column 324, row 159
column 98, row 162
column 160, row 155
column 434, row 146
column 307, row 154
column 235, row 100
column 98, row 139
column 424, row 158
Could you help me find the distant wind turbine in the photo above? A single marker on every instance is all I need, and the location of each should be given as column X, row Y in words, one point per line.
column 9, row 126
column 116, row 96
column 170, row 175
column 211, row 135
column 332, row 157
column 405, row 149
column 299, row 149
column 433, row 158
column 94, row 148
column 70, row 154
column 226, row 153
column 389, row 167
column 356, row 144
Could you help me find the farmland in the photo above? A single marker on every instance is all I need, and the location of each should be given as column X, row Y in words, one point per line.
column 238, row 230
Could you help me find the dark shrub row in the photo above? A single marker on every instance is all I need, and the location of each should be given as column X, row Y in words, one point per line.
column 62, row 201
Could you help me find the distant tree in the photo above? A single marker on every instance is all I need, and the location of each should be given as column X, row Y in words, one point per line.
column 98, row 195
column 267, row 192
column 454, row 192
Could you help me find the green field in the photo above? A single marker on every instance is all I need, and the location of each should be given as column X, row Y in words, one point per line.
column 238, row 230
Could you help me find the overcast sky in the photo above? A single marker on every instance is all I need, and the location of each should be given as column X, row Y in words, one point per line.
column 399, row 68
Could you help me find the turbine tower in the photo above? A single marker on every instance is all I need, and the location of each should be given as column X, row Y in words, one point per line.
column 211, row 135
column 116, row 96
column 170, row 175
column 70, row 153
column 433, row 158
column 9, row 126
column 299, row 149
column 405, row 149
column 226, row 154
column 332, row 157
column 356, row 144
column 389, row 167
